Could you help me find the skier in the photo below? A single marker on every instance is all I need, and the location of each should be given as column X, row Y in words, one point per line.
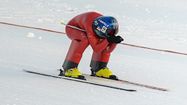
column 100, row 33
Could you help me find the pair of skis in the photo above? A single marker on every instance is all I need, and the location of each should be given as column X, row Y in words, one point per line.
column 99, row 84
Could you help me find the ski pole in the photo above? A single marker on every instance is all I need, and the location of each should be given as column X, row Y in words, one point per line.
column 74, row 27
column 137, row 46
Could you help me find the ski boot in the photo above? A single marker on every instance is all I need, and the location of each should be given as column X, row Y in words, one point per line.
column 73, row 73
column 106, row 73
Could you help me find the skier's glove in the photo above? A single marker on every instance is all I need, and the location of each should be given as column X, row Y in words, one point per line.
column 115, row 39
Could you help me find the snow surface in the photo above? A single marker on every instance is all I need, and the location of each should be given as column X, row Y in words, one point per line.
column 157, row 24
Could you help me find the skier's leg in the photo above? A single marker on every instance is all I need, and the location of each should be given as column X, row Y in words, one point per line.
column 99, row 65
column 78, row 45
column 74, row 54
column 99, row 61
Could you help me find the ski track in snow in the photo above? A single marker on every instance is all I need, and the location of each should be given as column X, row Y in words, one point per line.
column 145, row 24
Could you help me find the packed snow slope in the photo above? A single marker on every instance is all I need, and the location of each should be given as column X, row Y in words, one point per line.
column 158, row 24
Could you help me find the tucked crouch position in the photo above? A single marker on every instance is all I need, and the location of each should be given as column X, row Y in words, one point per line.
column 100, row 32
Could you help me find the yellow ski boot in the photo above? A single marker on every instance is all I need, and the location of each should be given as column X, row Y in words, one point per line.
column 74, row 73
column 106, row 73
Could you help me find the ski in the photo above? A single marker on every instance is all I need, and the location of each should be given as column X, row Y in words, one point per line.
column 144, row 85
column 91, row 77
column 79, row 80
column 131, row 83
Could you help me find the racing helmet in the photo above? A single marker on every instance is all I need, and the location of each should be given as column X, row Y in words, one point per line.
column 105, row 26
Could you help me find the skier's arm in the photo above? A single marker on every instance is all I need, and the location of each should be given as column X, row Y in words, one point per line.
column 98, row 45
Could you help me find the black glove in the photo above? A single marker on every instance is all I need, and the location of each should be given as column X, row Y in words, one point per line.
column 115, row 39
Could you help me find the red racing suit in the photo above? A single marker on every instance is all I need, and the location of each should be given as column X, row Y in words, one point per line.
column 80, row 41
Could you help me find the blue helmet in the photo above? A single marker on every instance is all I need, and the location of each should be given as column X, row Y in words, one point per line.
column 105, row 26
